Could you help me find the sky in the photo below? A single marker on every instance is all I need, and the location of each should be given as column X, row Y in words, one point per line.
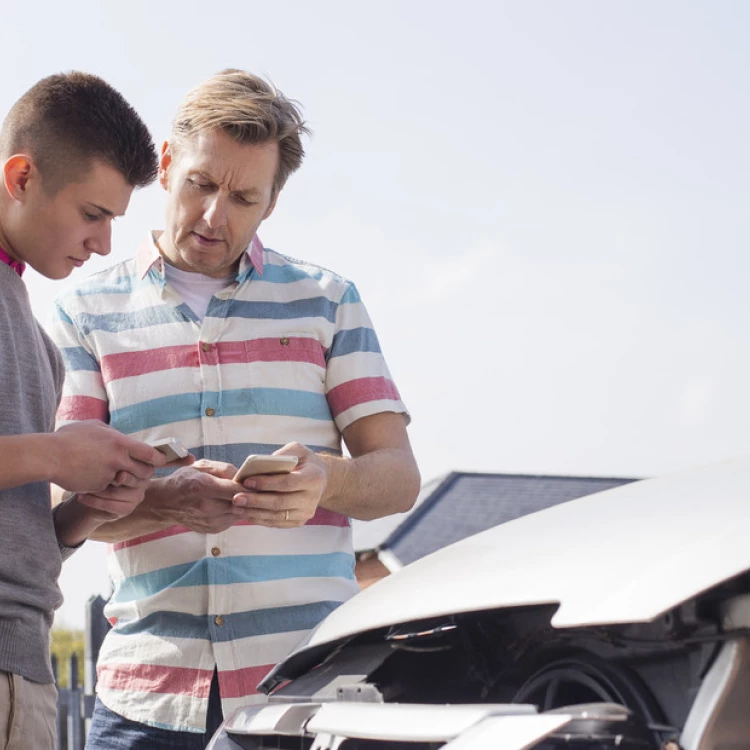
column 544, row 205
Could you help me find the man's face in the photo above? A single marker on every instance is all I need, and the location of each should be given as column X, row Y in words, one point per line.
column 55, row 233
column 218, row 193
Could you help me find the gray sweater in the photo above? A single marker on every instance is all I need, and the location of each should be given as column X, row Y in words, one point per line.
column 31, row 377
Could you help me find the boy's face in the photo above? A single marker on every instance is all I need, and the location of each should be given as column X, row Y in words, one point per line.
column 56, row 233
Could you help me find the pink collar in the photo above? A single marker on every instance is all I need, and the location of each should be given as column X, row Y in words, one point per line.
column 16, row 265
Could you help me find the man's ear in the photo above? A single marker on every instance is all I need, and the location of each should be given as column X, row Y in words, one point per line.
column 18, row 171
column 165, row 161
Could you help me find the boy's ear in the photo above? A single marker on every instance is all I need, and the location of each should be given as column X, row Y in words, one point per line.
column 18, row 171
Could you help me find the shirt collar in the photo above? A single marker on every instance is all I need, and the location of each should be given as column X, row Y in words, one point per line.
column 148, row 256
column 17, row 265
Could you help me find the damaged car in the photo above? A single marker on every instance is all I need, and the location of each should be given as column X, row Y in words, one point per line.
column 617, row 620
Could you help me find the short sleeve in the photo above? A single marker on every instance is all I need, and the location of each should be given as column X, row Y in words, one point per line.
column 358, row 382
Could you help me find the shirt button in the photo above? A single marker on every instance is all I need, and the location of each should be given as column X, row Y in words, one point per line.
column 206, row 346
column 219, row 620
column 215, row 551
column 284, row 340
column 209, row 412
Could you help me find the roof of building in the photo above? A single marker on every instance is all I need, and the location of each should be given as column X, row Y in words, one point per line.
column 460, row 504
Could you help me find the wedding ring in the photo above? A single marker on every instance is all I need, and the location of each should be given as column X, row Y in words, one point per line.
column 286, row 515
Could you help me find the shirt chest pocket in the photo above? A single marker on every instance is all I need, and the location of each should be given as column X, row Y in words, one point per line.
column 292, row 360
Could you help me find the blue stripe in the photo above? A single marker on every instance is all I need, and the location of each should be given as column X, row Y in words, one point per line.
column 236, row 453
column 175, row 576
column 155, row 412
column 351, row 296
column 238, row 402
column 187, row 311
column 271, row 620
column 167, row 625
column 297, row 270
column 234, row 570
column 116, row 322
column 314, row 307
column 239, row 625
column 96, row 285
column 354, row 340
column 60, row 314
column 77, row 358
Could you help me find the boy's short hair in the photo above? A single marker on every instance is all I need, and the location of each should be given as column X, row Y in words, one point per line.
column 247, row 108
column 68, row 120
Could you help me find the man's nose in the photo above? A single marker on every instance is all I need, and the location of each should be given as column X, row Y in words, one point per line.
column 215, row 213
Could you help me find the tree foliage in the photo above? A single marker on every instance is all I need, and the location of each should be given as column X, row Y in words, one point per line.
column 64, row 643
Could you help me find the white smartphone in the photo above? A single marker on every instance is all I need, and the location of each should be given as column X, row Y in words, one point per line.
column 172, row 448
column 253, row 465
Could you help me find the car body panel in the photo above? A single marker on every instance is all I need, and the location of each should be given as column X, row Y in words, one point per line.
column 619, row 556
column 512, row 727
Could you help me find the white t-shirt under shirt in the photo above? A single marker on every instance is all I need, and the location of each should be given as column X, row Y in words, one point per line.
column 195, row 289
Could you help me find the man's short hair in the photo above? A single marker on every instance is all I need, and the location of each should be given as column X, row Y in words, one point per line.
column 68, row 120
column 250, row 110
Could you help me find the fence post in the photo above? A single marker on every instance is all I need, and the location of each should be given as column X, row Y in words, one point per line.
column 97, row 627
column 76, row 718
column 63, row 707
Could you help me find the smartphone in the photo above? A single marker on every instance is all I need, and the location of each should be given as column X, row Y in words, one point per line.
column 253, row 465
column 172, row 448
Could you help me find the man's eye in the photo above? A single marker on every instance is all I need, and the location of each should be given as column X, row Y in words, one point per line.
column 199, row 185
column 91, row 217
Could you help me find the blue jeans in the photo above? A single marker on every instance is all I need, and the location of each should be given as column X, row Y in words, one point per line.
column 110, row 731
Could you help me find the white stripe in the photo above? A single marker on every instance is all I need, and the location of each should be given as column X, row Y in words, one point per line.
column 190, row 546
column 369, row 408
column 257, row 650
column 353, row 366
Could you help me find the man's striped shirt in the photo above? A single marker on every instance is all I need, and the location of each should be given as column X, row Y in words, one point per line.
column 287, row 353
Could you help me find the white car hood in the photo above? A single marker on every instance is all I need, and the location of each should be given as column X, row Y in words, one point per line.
column 625, row 555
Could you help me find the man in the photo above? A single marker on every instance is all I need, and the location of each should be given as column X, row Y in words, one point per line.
column 234, row 349
column 71, row 151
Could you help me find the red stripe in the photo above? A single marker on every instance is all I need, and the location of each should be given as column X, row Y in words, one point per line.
column 77, row 408
column 284, row 349
column 153, row 678
column 127, row 364
column 360, row 391
column 240, row 683
column 325, row 517
column 135, row 541
column 322, row 517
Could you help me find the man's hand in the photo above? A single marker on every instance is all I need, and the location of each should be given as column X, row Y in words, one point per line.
column 81, row 514
column 198, row 497
column 120, row 500
column 284, row 500
column 90, row 456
